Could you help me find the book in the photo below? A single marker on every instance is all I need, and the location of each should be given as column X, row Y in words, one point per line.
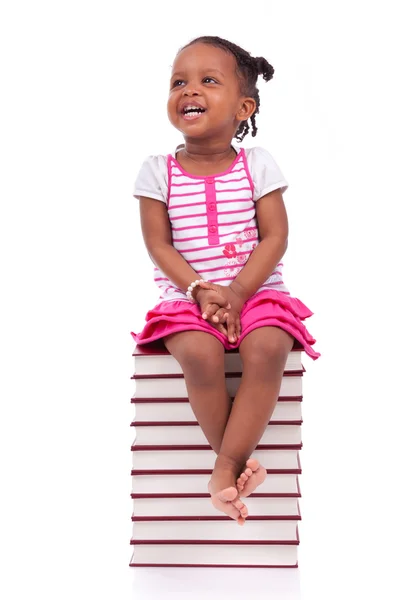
column 179, row 410
column 174, row 386
column 174, row 522
column 191, row 434
column 253, row 554
column 155, row 358
column 225, row 530
column 287, row 508
column 165, row 461
column 275, row 484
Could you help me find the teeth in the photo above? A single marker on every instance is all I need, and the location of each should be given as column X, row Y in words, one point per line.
column 192, row 108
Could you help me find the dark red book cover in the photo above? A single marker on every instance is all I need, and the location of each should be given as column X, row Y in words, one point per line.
column 296, row 494
column 221, row 566
column 217, row 517
column 191, row 518
column 195, row 423
column 135, row 472
column 228, row 375
column 135, row 448
column 219, row 542
column 158, row 347
column 138, row 400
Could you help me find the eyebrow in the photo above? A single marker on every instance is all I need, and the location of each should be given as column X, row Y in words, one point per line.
column 180, row 73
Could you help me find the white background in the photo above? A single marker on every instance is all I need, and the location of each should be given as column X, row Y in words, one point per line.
column 84, row 88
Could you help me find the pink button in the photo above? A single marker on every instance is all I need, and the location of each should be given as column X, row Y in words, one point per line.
column 212, row 229
column 209, row 180
column 211, row 206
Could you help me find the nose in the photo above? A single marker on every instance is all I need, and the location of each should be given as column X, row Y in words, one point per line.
column 190, row 92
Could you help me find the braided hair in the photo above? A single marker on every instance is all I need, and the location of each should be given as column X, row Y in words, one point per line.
column 248, row 70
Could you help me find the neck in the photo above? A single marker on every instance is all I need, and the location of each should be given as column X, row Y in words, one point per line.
column 200, row 152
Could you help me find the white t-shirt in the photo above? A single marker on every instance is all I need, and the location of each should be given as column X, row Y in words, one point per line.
column 152, row 180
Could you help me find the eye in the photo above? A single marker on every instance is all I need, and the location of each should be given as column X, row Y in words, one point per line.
column 176, row 82
column 209, row 79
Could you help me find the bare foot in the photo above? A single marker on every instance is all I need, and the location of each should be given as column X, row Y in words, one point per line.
column 224, row 495
column 253, row 476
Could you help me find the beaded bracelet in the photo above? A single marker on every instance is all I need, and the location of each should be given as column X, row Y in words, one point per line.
column 191, row 288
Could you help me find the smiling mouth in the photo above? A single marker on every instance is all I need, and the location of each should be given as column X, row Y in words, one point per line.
column 191, row 113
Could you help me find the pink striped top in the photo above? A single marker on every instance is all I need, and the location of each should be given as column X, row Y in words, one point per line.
column 213, row 218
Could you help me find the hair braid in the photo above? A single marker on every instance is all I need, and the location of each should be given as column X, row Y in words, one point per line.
column 248, row 68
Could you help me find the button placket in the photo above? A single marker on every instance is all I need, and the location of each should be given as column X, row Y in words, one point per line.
column 212, row 215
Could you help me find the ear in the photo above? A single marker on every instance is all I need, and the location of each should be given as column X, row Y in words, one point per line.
column 247, row 108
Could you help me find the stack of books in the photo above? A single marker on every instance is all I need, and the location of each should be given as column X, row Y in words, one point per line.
column 174, row 521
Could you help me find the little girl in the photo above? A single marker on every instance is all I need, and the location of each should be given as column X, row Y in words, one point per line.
column 215, row 226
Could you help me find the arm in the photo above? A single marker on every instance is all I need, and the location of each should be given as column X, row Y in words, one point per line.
column 273, row 230
column 157, row 237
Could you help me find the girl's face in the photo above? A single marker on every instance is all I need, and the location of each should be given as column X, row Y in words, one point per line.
column 205, row 99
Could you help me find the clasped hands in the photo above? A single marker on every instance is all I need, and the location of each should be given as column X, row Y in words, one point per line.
column 221, row 306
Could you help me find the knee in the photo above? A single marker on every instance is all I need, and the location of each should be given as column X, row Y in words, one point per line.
column 202, row 363
column 264, row 353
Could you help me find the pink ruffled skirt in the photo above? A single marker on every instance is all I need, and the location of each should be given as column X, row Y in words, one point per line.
column 267, row 308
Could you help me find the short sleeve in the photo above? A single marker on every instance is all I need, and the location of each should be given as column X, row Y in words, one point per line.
column 265, row 172
column 152, row 179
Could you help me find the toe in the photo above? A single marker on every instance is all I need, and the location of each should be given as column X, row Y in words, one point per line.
column 248, row 472
column 226, row 507
column 228, row 494
column 253, row 464
column 231, row 511
column 241, row 507
column 238, row 503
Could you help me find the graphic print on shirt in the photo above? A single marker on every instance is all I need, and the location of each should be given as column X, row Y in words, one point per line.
column 238, row 253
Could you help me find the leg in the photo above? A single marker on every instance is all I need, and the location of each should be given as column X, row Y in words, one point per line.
column 201, row 356
column 264, row 353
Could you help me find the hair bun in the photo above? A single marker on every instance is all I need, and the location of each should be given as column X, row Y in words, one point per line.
column 264, row 68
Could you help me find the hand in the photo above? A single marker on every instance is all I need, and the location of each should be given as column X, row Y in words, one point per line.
column 229, row 323
column 208, row 303
column 218, row 316
column 210, row 300
column 234, row 299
